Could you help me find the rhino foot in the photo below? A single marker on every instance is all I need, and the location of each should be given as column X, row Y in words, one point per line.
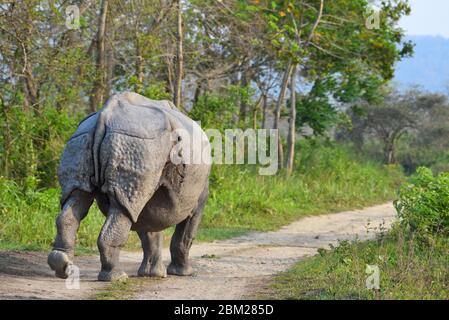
column 112, row 276
column 152, row 270
column 180, row 270
column 59, row 262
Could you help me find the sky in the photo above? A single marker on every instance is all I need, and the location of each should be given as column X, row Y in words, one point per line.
column 428, row 17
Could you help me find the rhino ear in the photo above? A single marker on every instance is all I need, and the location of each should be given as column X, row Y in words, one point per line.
column 179, row 137
column 174, row 124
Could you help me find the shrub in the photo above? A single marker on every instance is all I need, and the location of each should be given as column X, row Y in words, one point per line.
column 423, row 204
column 218, row 111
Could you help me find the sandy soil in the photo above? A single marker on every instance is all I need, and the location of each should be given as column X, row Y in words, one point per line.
column 229, row 269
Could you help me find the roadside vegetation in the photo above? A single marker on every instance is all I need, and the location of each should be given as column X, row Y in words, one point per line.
column 413, row 257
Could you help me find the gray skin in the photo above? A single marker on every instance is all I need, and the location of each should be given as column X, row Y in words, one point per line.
column 122, row 157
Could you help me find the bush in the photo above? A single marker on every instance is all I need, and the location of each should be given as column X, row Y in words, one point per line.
column 423, row 204
column 218, row 111
column 31, row 143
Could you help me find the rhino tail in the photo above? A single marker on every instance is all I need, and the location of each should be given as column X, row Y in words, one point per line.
column 99, row 134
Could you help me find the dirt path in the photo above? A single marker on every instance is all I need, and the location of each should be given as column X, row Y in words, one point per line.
column 228, row 269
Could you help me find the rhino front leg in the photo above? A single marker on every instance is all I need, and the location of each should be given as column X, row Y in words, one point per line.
column 182, row 240
column 73, row 211
column 113, row 236
column 152, row 265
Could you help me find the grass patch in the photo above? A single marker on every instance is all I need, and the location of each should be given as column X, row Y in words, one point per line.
column 327, row 178
column 210, row 234
column 408, row 270
column 120, row 290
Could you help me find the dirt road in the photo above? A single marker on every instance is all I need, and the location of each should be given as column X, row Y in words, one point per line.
column 228, row 269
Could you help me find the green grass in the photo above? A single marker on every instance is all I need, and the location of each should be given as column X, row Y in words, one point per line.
column 408, row 270
column 327, row 179
column 121, row 290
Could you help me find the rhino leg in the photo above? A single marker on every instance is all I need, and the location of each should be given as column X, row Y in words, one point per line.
column 73, row 211
column 102, row 203
column 182, row 240
column 152, row 265
column 112, row 237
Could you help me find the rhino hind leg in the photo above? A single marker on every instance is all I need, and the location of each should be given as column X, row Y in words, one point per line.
column 152, row 265
column 73, row 211
column 182, row 239
column 112, row 237
column 102, row 203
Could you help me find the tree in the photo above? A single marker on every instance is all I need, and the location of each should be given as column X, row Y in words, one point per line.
column 328, row 42
column 388, row 123
column 99, row 88
column 414, row 117
column 179, row 56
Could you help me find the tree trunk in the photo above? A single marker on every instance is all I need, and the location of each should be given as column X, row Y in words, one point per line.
column 139, row 64
column 256, row 110
column 390, row 156
column 264, row 111
column 110, row 64
column 243, row 101
column 170, row 85
column 110, row 61
column 31, row 88
column 179, row 57
column 98, row 90
column 281, row 96
column 277, row 115
column 198, row 89
column 291, row 128
column 29, row 82
column 6, row 137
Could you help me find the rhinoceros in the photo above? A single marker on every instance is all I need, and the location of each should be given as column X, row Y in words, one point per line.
column 122, row 157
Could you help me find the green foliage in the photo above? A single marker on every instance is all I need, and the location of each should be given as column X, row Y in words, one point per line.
column 157, row 92
column 315, row 110
column 407, row 271
column 423, row 204
column 218, row 110
column 32, row 143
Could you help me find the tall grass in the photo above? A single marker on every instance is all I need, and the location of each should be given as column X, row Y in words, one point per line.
column 407, row 270
column 27, row 218
column 328, row 178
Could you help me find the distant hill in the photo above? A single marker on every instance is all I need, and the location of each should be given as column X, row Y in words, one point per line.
column 429, row 67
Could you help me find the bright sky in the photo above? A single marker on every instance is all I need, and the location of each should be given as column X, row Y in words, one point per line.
column 428, row 17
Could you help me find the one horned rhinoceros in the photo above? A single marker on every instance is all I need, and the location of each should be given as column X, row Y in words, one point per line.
column 123, row 157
